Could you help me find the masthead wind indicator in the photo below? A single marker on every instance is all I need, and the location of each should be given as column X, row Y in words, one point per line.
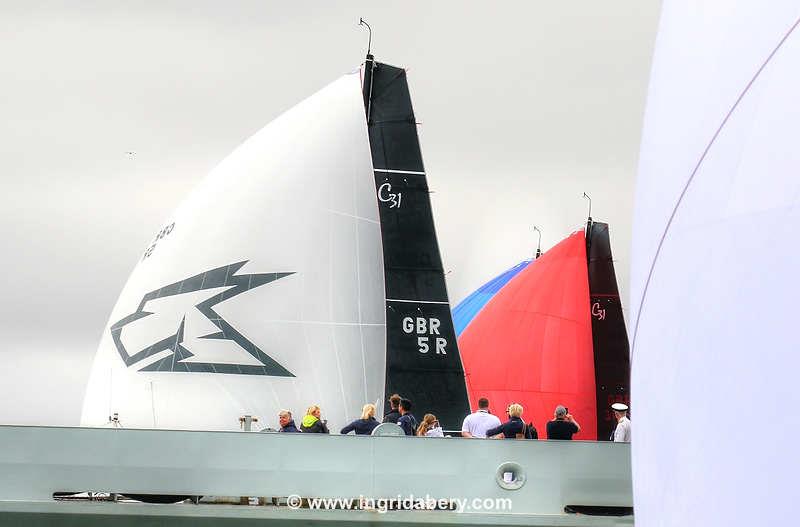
column 589, row 224
column 369, row 66
column 587, row 197
column 539, row 244
column 362, row 22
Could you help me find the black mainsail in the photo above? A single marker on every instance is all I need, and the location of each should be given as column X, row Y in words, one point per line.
column 609, row 337
column 422, row 358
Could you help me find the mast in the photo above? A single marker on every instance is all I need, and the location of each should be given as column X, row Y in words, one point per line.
column 539, row 243
column 588, row 224
column 609, row 336
column 422, row 358
column 369, row 65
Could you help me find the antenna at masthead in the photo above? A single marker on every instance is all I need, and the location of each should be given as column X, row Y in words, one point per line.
column 589, row 225
column 585, row 195
column 369, row 65
column 362, row 22
column 539, row 245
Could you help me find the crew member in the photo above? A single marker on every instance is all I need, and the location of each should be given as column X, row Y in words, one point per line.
column 286, row 421
column 407, row 420
column 365, row 425
column 563, row 426
column 514, row 428
column 622, row 433
column 394, row 414
column 429, row 427
column 476, row 424
column 312, row 423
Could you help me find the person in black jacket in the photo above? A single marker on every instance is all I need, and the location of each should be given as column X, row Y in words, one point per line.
column 407, row 420
column 563, row 426
column 365, row 425
column 286, row 421
column 394, row 415
column 312, row 423
column 514, row 428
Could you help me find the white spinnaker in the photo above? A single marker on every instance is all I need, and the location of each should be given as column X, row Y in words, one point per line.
column 714, row 366
column 298, row 197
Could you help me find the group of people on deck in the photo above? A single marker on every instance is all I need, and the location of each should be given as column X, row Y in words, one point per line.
column 400, row 414
column 483, row 424
column 480, row 424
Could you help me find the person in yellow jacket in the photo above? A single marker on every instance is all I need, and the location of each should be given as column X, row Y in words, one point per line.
column 312, row 424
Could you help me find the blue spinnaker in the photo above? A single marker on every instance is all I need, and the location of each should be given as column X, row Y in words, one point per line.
column 466, row 310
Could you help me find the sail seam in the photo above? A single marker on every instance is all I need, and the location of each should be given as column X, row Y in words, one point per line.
column 415, row 301
column 688, row 183
column 322, row 322
column 392, row 171
column 376, row 222
column 333, row 333
column 358, row 285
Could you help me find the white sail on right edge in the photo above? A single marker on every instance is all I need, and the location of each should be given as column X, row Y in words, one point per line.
column 714, row 312
column 264, row 290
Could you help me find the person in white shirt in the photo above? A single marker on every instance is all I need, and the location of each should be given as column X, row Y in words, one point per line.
column 429, row 427
column 476, row 424
column 622, row 434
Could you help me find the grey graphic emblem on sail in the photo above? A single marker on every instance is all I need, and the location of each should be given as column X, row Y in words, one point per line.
column 225, row 284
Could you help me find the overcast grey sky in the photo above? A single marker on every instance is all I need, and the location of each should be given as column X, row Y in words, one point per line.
column 524, row 106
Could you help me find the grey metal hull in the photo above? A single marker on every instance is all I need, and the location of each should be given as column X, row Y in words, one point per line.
column 38, row 461
column 88, row 514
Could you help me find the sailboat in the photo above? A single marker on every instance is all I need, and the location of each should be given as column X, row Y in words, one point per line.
column 303, row 270
column 550, row 331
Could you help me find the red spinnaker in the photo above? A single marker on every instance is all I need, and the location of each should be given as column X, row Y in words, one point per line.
column 532, row 342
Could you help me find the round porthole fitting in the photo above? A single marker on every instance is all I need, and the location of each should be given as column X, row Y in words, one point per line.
column 510, row 476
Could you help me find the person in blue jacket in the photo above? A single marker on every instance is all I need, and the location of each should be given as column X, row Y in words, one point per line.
column 407, row 420
column 514, row 428
column 365, row 425
column 394, row 414
column 286, row 421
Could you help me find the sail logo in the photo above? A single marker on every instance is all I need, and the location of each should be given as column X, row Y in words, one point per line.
column 598, row 312
column 161, row 234
column 171, row 349
column 385, row 195
column 424, row 328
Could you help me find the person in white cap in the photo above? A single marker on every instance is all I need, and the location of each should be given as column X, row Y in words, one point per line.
column 622, row 434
